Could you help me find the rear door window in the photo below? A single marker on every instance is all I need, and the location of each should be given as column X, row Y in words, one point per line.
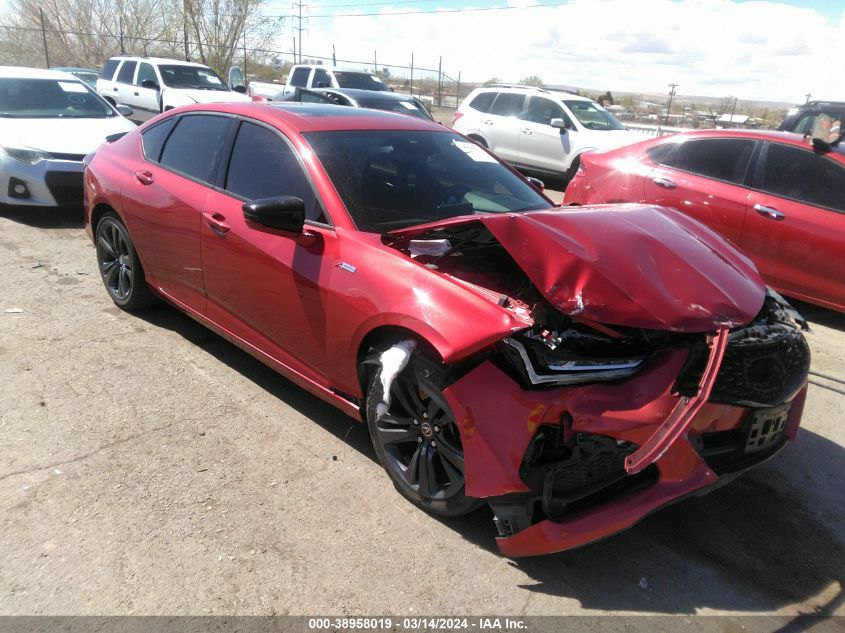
column 127, row 72
column 508, row 104
column 146, row 73
column 264, row 165
column 321, row 79
column 801, row 175
column 723, row 159
column 483, row 101
column 193, row 146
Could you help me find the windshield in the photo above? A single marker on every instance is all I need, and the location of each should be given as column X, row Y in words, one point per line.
column 395, row 105
column 592, row 116
column 362, row 81
column 50, row 98
column 392, row 179
column 194, row 77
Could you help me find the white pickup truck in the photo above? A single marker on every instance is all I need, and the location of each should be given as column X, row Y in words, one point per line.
column 316, row 76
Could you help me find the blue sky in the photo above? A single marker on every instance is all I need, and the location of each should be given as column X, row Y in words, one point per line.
column 751, row 49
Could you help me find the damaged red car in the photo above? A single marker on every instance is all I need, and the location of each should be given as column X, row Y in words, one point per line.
column 575, row 369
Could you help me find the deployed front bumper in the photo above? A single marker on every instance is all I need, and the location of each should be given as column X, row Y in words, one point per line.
column 500, row 422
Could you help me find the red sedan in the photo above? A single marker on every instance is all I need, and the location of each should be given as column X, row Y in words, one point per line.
column 770, row 193
column 499, row 350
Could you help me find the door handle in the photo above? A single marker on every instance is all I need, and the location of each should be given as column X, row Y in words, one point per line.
column 216, row 222
column 664, row 182
column 769, row 212
column 135, row 93
column 115, row 89
column 487, row 121
column 144, row 177
column 528, row 131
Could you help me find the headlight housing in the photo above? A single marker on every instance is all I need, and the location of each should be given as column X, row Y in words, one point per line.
column 27, row 155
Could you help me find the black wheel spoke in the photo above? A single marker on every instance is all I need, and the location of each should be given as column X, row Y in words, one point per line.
column 403, row 395
column 453, row 473
column 397, row 435
column 449, row 454
column 411, row 473
column 428, row 481
column 122, row 284
column 104, row 244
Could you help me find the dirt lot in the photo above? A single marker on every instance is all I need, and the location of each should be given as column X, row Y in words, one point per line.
column 148, row 466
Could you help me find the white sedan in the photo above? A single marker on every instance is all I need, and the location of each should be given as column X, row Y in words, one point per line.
column 49, row 121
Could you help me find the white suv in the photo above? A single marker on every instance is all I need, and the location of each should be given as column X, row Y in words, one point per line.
column 538, row 130
column 150, row 85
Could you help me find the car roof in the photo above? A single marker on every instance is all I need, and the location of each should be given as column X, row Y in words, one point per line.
column 358, row 93
column 72, row 69
column 314, row 117
column 554, row 93
column 35, row 73
column 789, row 138
column 160, row 60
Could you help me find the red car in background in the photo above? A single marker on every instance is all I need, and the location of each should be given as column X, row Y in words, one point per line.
column 574, row 369
column 777, row 199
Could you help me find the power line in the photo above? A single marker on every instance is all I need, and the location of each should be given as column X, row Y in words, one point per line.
column 436, row 11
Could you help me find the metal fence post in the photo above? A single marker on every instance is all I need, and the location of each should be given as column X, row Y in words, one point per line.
column 44, row 37
column 412, row 74
column 440, row 82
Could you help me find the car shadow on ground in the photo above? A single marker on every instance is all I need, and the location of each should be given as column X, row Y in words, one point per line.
column 44, row 217
column 757, row 545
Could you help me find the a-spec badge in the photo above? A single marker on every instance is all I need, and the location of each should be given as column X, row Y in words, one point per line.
column 347, row 267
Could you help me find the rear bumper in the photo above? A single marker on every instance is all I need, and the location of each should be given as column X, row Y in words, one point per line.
column 498, row 432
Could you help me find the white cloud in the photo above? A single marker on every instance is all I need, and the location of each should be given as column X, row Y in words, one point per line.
column 754, row 50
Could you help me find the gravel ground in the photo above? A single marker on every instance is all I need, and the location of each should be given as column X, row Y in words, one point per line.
column 150, row 467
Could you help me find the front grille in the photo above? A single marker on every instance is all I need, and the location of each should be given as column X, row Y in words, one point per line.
column 763, row 366
column 65, row 186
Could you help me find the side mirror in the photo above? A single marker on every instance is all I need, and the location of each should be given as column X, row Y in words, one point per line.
column 124, row 110
column 536, row 183
column 559, row 124
column 285, row 213
column 240, row 89
column 149, row 83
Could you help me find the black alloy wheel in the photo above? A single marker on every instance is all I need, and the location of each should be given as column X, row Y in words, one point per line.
column 120, row 268
column 418, row 441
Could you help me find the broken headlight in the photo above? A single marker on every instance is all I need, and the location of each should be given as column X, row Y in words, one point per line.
column 571, row 357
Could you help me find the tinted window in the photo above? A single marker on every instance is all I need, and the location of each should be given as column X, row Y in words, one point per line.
column 800, row 174
column 390, row 179
column 410, row 107
column 263, row 165
column 199, row 77
column 321, row 79
column 361, row 81
column 127, row 71
column 508, row 104
column 23, row 98
column 542, row 110
column 108, row 69
column 153, row 138
column 146, row 73
column 192, row 147
column 483, row 101
column 299, row 77
column 592, row 116
column 723, row 158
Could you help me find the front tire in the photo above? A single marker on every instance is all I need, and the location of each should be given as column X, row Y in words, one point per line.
column 417, row 440
column 120, row 268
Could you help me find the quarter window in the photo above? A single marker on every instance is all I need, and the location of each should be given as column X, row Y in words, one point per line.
column 127, row 71
column 799, row 174
column 108, row 69
column 483, row 101
column 192, row 146
column 508, row 104
column 722, row 159
column 299, row 77
column 263, row 165
column 153, row 138
column 321, row 79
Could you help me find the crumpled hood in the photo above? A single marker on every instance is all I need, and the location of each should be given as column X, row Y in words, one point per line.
column 61, row 135
column 629, row 265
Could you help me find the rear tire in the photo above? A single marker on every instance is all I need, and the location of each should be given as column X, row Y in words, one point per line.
column 479, row 140
column 570, row 173
column 120, row 268
column 417, row 440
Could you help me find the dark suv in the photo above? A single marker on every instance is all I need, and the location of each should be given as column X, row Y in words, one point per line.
column 801, row 118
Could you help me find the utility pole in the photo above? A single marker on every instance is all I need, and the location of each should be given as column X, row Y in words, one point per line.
column 334, row 57
column 244, row 56
column 808, row 95
column 120, row 24
column 669, row 107
column 44, row 37
column 733, row 109
column 375, row 63
column 458, row 93
column 299, row 5
column 185, row 28
column 440, row 82
column 412, row 74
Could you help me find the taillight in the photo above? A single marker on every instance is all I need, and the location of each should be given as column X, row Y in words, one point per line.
column 458, row 115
